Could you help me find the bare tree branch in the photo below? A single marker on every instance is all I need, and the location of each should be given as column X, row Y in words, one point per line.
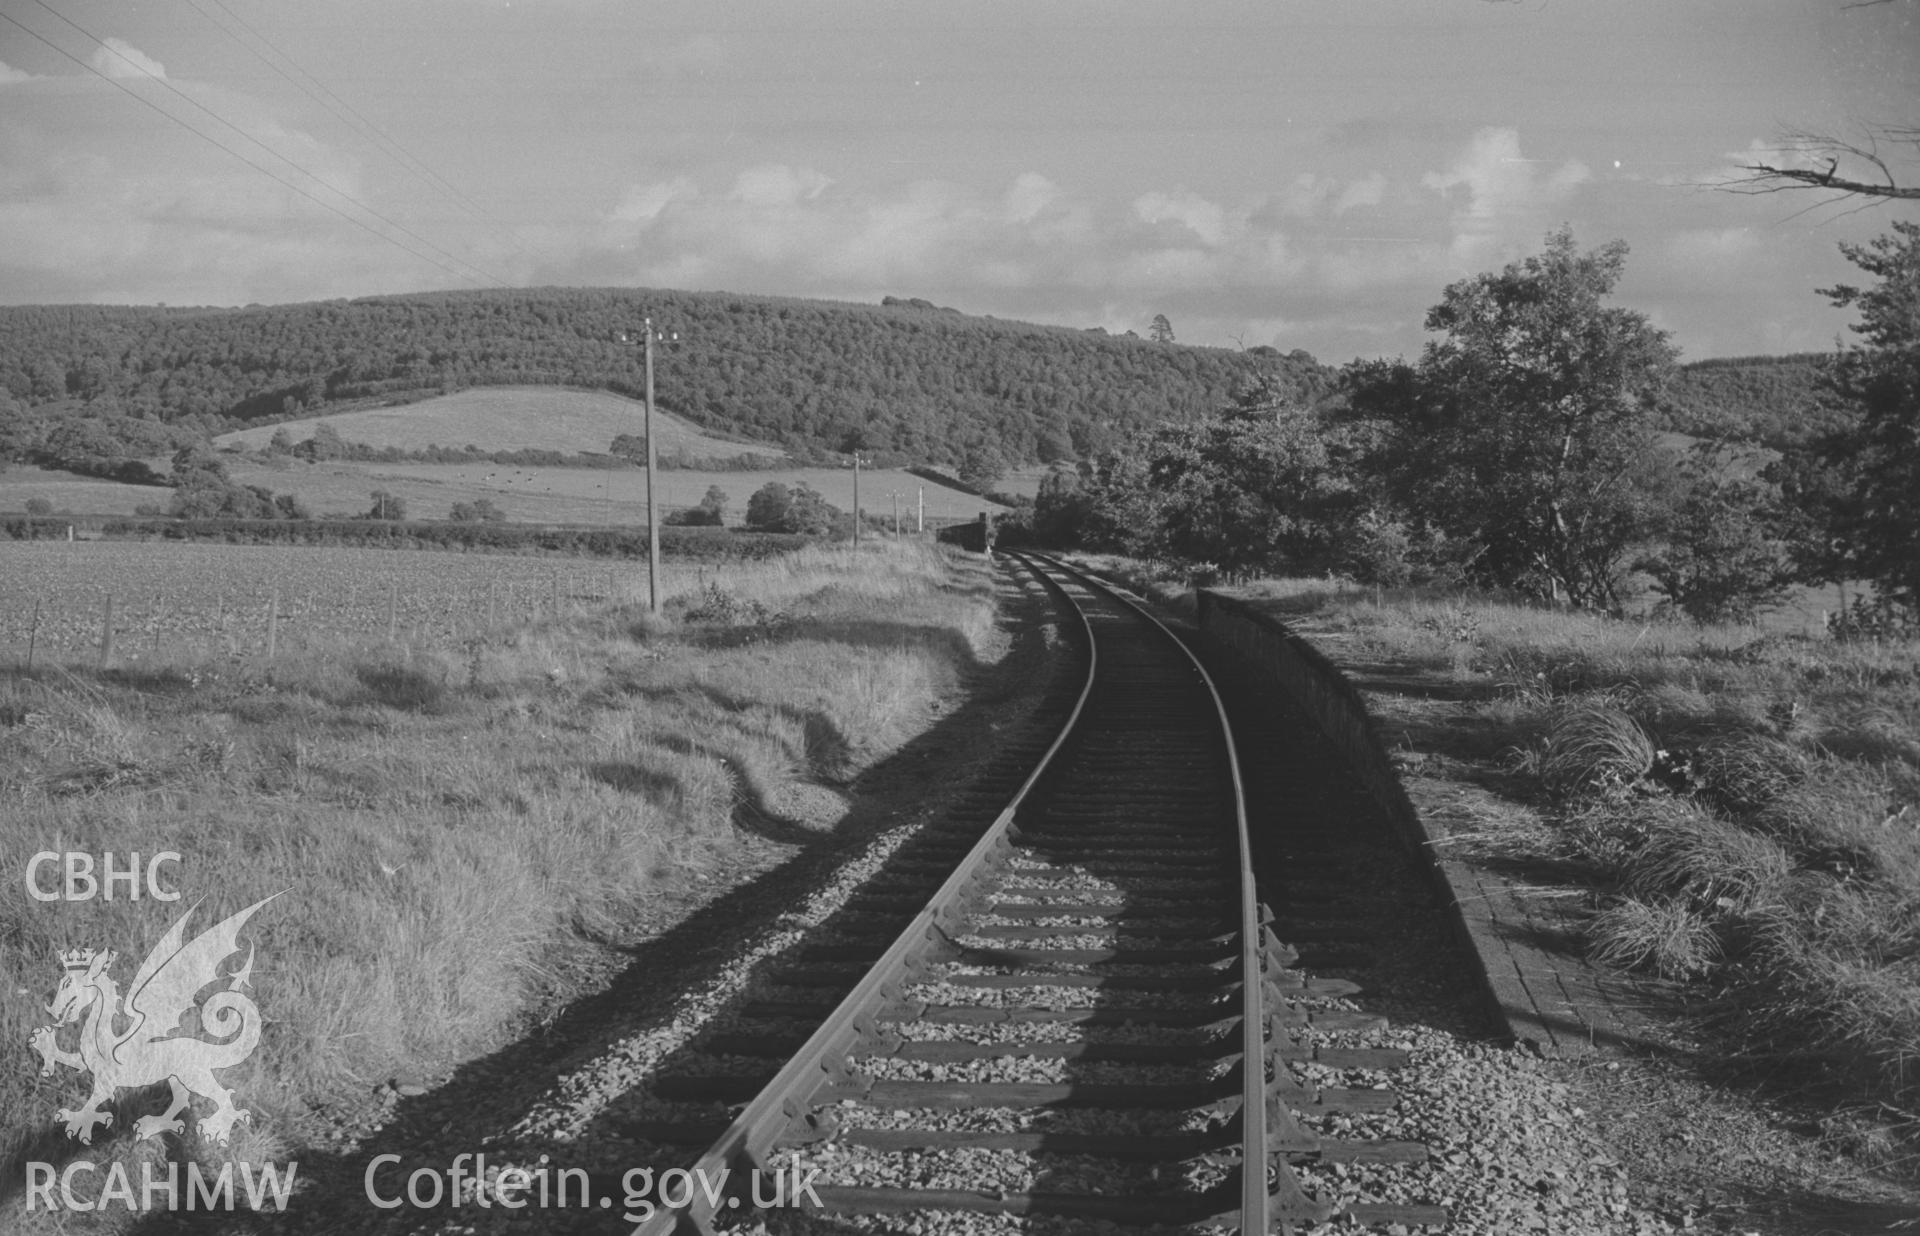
column 1884, row 183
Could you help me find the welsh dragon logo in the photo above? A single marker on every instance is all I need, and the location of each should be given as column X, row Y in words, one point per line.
column 152, row 1048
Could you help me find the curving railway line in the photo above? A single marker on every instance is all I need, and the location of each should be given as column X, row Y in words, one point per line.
column 1091, row 1015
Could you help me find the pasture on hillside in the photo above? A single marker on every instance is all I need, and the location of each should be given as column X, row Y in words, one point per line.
column 507, row 418
column 70, row 494
column 615, row 498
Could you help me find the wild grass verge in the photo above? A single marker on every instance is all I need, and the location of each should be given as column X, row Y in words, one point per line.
column 1745, row 805
column 452, row 823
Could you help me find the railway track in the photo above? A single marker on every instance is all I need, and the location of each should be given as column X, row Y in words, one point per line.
column 1090, row 1016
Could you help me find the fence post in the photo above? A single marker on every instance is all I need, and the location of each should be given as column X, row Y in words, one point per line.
column 273, row 624
column 106, row 634
column 393, row 609
column 33, row 634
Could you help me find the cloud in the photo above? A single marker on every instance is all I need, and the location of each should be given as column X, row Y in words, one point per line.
column 1204, row 219
column 643, row 203
column 777, row 227
column 777, row 185
column 121, row 60
column 95, row 209
column 9, row 74
column 1507, row 199
column 1368, row 191
column 1031, row 193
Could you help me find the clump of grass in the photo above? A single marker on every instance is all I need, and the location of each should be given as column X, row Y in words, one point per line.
column 1716, row 867
column 1595, row 747
column 1743, row 772
column 1665, row 935
column 1605, row 836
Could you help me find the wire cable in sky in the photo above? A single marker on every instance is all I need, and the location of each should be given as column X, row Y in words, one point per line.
column 469, row 269
column 349, row 115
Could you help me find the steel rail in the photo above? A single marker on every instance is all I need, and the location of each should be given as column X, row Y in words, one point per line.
column 1254, row 1198
column 785, row 1101
column 745, row 1144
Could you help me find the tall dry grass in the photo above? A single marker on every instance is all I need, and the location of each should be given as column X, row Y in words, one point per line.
column 449, row 821
column 1746, row 801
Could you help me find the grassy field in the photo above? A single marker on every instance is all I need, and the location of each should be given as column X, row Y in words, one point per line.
column 174, row 600
column 504, row 419
column 507, row 418
column 71, row 494
column 1743, row 804
column 616, row 498
column 453, row 818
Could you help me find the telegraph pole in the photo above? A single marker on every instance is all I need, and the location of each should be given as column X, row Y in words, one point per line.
column 856, row 498
column 653, row 509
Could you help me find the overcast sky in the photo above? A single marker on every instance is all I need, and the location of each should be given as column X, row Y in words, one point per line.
column 1300, row 173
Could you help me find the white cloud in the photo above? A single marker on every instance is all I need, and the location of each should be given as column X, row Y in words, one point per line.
column 1031, row 193
column 121, row 60
column 1206, row 220
column 1507, row 200
column 1307, row 195
column 776, row 184
column 643, row 203
column 777, row 228
column 9, row 74
column 95, row 209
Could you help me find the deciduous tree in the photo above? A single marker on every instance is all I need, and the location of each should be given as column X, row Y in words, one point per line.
column 1528, row 427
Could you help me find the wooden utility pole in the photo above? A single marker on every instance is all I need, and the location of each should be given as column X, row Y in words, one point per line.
column 653, row 511
column 653, row 508
column 856, row 499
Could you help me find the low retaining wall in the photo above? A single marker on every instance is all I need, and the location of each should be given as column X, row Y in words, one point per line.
column 1546, row 1003
column 1268, row 650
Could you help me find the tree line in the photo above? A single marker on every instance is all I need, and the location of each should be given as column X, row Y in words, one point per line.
column 93, row 387
column 1523, row 450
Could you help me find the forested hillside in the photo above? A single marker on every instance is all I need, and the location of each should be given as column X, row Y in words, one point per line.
column 914, row 382
column 1771, row 400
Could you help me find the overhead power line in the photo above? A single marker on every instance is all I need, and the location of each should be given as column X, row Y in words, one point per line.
column 465, row 269
column 347, row 113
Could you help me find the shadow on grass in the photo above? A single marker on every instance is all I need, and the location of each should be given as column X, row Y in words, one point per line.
column 157, row 680
column 485, row 1095
column 51, row 1146
column 656, row 786
column 748, row 812
column 404, row 688
column 1421, row 680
